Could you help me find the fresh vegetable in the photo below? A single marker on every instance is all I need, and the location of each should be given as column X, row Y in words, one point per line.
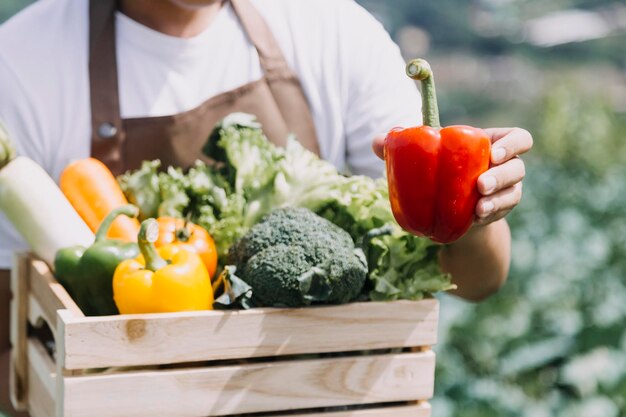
column 432, row 172
column 294, row 258
column 179, row 231
column 202, row 195
column 93, row 191
column 36, row 207
column 87, row 273
column 169, row 279
column 228, row 201
column 143, row 189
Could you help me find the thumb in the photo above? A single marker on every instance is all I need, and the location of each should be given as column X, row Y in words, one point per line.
column 378, row 146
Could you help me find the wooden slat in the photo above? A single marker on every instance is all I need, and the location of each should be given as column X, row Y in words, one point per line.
column 35, row 312
column 18, row 377
column 62, row 317
column 420, row 410
column 134, row 340
column 251, row 388
column 49, row 293
column 41, row 379
column 42, row 364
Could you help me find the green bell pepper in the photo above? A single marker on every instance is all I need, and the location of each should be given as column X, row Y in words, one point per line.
column 87, row 273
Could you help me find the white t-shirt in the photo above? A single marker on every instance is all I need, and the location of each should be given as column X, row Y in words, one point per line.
column 350, row 69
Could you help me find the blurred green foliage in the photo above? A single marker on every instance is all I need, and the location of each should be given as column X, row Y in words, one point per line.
column 9, row 7
column 452, row 25
column 582, row 130
column 551, row 342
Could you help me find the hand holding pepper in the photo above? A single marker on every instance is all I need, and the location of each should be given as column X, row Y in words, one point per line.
column 498, row 189
column 501, row 186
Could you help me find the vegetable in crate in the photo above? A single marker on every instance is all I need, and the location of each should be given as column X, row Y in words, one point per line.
column 201, row 195
column 432, row 172
column 167, row 279
column 36, row 207
column 230, row 198
column 193, row 237
column 87, row 273
column 93, row 191
column 294, row 258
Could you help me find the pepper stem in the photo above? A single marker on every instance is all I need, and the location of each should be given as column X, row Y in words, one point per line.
column 127, row 210
column 7, row 151
column 183, row 234
column 419, row 69
column 148, row 234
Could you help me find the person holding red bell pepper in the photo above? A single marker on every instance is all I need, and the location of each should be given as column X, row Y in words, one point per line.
column 455, row 185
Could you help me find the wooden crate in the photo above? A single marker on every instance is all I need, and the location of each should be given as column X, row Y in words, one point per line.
column 216, row 363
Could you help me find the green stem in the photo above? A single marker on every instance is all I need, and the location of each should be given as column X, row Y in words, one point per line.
column 419, row 69
column 7, row 151
column 183, row 234
column 148, row 234
column 127, row 210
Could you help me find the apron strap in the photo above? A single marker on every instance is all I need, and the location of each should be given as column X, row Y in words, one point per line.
column 270, row 55
column 106, row 122
column 287, row 93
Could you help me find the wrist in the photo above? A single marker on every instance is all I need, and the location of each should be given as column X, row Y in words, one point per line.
column 479, row 260
column 476, row 235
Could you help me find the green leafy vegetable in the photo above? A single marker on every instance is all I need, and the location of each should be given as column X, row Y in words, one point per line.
column 174, row 198
column 142, row 188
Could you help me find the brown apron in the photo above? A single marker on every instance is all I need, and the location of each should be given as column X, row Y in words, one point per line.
column 277, row 100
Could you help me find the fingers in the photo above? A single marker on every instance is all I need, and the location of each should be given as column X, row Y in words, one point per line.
column 508, row 143
column 498, row 205
column 501, row 176
column 379, row 146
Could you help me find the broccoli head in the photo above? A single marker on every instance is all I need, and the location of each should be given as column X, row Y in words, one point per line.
column 289, row 226
column 294, row 258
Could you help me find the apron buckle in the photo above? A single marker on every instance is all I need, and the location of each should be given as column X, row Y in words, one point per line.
column 107, row 130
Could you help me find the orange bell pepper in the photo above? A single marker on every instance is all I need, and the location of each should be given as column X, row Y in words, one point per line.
column 169, row 279
column 178, row 231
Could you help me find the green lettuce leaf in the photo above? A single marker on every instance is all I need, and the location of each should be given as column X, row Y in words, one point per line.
column 174, row 198
column 142, row 188
column 403, row 266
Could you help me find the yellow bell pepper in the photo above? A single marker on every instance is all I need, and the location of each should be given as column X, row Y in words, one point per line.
column 171, row 278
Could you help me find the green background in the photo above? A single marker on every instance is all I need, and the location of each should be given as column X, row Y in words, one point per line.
column 552, row 342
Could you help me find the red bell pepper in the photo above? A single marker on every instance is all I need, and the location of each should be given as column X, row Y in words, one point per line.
column 432, row 172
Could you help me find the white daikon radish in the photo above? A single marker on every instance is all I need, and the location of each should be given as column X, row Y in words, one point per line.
column 36, row 206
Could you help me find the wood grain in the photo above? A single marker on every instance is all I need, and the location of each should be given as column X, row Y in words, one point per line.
column 49, row 293
column 250, row 388
column 420, row 410
column 18, row 376
column 35, row 312
column 64, row 389
column 134, row 340
column 41, row 379
column 61, row 371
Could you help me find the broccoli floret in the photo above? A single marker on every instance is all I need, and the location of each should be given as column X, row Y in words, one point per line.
column 295, row 258
column 287, row 226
